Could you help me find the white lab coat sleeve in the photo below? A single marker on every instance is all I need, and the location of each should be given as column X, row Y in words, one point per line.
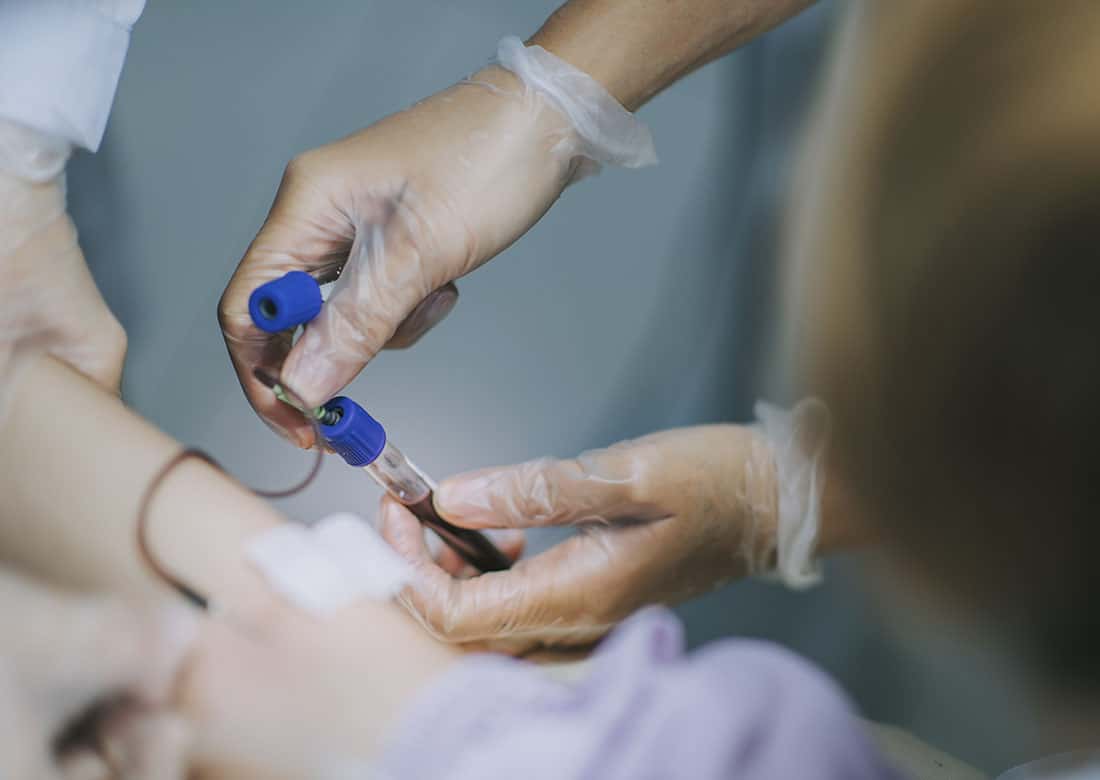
column 60, row 62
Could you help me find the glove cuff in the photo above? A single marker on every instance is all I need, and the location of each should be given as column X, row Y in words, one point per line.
column 607, row 134
column 798, row 440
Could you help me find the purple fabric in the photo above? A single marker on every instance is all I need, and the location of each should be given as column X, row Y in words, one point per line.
column 733, row 709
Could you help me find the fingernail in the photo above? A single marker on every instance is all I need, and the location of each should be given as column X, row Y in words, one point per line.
column 386, row 515
column 303, row 439
column 429, row 313
column 440, row 304
column 459, row 497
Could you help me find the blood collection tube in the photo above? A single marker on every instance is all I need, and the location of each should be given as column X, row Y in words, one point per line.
column 361, row 441
column 294, row 299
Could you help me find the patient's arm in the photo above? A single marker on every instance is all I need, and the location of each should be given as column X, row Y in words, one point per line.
column 265, row 681
column 74, row 466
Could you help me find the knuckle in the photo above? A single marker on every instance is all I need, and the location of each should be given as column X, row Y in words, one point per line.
column 118, row 340
column 536, row 494
column 620, row 476
column 353, row 326
column 225, row 305
column 298, row 166
column 233, row 317
column 110, row 343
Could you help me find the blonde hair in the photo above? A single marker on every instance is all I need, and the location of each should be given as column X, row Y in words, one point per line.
column 953, row 230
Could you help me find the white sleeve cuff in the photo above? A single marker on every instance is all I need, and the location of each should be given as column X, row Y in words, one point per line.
column 60, row 62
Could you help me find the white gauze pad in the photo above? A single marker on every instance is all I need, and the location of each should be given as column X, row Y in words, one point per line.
column 329, row 565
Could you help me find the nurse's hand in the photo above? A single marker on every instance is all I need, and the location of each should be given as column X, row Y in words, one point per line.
column 82, row 681
column 410, row 204
column 48, row 300
column 661, row 519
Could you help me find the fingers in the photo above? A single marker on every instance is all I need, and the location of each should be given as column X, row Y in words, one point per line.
column 556, row 597
column 509, row 541
column 108, row 647
column 76, row 658
column 84, row 764
column 141, row 744
column 382, row 285
column 601, row 485
column 684, row 509
column 427, row 314
column 76, row 650
column 304, row 231
column 382, row 298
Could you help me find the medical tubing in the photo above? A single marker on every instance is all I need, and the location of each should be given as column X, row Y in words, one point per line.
column 141, row 528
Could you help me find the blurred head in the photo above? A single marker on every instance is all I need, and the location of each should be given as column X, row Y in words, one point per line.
column 951, row 230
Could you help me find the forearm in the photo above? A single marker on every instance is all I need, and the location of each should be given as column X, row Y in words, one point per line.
column 74, row 467
column 264, row 679
column 636, row 48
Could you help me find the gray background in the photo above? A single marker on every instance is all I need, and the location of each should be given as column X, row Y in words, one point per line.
column 642, row 301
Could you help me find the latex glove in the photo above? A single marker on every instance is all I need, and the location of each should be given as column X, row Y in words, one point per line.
column 48, row 299
column 661, row 518
column 64, row 657
column 410, row 204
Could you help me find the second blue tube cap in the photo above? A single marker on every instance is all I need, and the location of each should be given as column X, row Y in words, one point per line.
column 356, row 437
column 284, row 303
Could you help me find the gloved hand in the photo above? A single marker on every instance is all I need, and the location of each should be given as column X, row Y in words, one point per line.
column 410, row 204
column 48, row 299
column 64, row 659
column 661, row 518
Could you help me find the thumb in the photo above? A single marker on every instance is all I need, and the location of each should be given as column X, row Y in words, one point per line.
column 545, row 599
column 382, row 284
column 600, row 485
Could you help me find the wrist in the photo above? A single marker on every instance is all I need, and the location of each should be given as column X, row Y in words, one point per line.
column 603, row 130
column 545, row 135
column 583, row 43
column 636, row 49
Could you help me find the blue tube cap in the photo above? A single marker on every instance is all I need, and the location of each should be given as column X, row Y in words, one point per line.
column 287, row 302
column 356, row 437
